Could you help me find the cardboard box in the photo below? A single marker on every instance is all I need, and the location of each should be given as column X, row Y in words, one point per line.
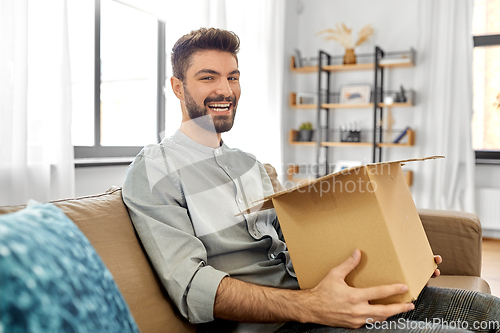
column 366, row 207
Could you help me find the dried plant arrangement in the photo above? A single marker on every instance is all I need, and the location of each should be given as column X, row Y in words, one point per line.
column 343, row 35
column 364, row 34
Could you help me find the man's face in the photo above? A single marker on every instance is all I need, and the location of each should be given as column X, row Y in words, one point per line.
column 212, row 87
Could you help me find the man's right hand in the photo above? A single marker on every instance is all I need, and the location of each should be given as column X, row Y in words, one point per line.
column 334, row 303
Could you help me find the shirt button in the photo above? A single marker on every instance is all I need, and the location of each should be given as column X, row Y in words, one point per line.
column 272, row 256
column 225, row 167
column 239, row 200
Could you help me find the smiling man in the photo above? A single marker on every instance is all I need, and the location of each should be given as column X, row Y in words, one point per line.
column 208, row 87
column 230, row 272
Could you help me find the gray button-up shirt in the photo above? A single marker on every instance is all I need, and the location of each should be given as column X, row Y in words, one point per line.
column 183, row 198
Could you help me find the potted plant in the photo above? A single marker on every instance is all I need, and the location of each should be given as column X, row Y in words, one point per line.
column 305, row 131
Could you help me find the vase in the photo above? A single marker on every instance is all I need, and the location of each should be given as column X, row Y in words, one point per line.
column 349, row 57
column 305, row 135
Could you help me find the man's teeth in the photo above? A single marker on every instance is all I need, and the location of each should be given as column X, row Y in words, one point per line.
column 219, row 107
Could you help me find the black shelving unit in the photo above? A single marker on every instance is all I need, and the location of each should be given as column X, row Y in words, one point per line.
column 324, row 95
column 378, row 93
column 323, row 59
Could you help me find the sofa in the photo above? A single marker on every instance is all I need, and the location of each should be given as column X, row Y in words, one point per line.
column 104, row 220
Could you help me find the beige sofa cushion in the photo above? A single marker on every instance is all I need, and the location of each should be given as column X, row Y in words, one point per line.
column 105, row 222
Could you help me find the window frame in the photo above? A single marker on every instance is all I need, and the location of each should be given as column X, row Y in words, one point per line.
column 97, row 151
column 487, row 156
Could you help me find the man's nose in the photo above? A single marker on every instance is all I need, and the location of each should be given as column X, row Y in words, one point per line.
column 224, row 89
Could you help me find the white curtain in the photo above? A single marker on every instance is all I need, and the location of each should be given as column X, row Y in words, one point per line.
column 444, row 106
column 261, row 28
column 36, row 154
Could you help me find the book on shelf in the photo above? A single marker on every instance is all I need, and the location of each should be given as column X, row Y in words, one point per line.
column 401, row 136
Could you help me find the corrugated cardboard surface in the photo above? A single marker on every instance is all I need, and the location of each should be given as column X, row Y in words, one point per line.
column 266, row 203
column 369, row 208
column 405, row 228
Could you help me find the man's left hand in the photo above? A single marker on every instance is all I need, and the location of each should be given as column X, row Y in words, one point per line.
column 438, row 260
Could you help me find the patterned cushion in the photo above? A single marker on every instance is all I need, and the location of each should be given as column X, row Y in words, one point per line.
column 52, row 280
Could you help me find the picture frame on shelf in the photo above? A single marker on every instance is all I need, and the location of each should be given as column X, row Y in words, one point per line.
column 355, row 94
column 342, row 165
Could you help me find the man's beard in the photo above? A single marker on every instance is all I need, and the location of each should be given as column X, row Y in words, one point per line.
column 216, row 123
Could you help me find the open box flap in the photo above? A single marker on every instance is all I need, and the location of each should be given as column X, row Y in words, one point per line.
column 266, row 203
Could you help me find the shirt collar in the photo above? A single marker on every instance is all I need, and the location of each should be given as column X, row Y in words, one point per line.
column 187, row 141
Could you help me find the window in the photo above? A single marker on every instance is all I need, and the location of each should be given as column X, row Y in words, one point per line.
column 118, row 71
column 486, row 81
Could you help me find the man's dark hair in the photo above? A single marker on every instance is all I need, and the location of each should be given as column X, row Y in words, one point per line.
column 200, row 40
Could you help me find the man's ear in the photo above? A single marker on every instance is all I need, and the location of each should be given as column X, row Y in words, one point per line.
column 177, row 87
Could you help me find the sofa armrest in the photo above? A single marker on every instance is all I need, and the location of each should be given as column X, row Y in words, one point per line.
column 457, row 237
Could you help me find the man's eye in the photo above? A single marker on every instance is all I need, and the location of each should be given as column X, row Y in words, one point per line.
column 233, row 79
column 207, row 78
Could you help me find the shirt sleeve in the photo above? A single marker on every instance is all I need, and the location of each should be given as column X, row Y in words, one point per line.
column 157, row 207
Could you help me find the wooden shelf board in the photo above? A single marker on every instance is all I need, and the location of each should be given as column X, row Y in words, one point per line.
column 333, row 68
column 406, row 144
column 346, row 106
column 342, row 68
column 303, row 143
column 350, row 144
column 304, row 106
column 360, row 106
column 346, row 68
column 396, row 105
column 306, row 69
column 368, row 105
column 398, row 65
column 353, row 67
